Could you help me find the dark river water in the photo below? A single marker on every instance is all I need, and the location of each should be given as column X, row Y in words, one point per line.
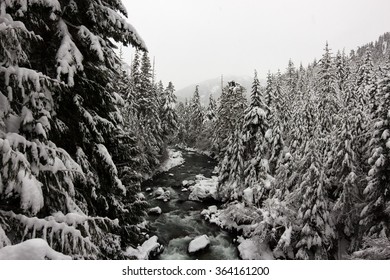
column 180, row 221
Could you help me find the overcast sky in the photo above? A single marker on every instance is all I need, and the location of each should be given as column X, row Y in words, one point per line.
column 196, row 40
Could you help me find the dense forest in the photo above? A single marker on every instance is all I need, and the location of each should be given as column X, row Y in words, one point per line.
column 77, row 133
column 303, row 161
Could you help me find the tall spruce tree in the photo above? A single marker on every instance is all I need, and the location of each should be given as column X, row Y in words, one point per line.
column 58, row 126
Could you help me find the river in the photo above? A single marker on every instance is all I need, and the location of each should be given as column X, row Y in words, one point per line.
column 180, row 221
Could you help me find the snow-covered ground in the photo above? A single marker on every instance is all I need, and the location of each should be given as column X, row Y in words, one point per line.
column 199, row 243
column 207, row 153
column 204, row 188
column 155, row 211
column 254, row 249
column 32, row 249
column 175, row 158
column 147, row 249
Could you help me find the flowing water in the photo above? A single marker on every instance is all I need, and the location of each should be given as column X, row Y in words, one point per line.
column 180, row 221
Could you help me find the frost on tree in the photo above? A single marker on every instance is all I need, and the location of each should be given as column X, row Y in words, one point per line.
column 58, row 124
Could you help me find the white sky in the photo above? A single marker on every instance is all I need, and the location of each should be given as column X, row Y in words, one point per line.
column 196, row 40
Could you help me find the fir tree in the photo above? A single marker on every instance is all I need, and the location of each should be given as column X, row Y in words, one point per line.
column 317, row 233
column 59, row 125
column 375, row 215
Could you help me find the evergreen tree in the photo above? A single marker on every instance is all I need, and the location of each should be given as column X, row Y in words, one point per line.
column 317, row 233
column 59, row 120
column 169, row 117
column 231, row 178
column 196, row 119
column 375, row 215
column 211, row 110
column 230, row 112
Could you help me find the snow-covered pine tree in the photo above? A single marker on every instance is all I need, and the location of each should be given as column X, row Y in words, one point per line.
column 148, row 114
column 231, row 178
column 58, row 123
column 269, row 97
column 254, row 133
column 255, row 120
column 211, row 110
column 375, row 215
column 196, row 118
column 169, row 116
column 317, row 233
column 232, row 104
column 328, row 101
column 345, row 175
column 205, row 138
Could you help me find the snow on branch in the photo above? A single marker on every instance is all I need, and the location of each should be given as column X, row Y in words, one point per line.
column 24, row 183
column 24, row 77
column 24, row 4
column 33, row 249
column 4, row 240
column 69, row 57
column 58, row 234
column 94, row 41
column 114, row 22
column 105, row 158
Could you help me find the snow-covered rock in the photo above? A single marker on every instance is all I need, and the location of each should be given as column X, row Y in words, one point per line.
column 148, row 249
column 213, row 209
column 204, row 188
column 142, row 225
column 155, row 211
column 165, row 196
column 199, row 243
column 160, row 191
column 186, row 183
column 254, row 249
column 175, row 158
column 32, row 249
column 248, row 195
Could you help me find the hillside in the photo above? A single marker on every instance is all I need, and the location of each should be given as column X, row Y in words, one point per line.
column 212, row 86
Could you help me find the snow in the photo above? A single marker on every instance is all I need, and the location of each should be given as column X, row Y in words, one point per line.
column 94, row 41
column 31, row 192
column 155, row 211
column 33, row 249
column 149, row 248
column 160, row 191
column 69, row 57
column 187, row 183
column 198, row 151
column 254, row 249
column 175, row 158
column 248, row 195
column 106, row 157
column 165, row 196
column 199, row 243
column 210, row 210
column 204, row 188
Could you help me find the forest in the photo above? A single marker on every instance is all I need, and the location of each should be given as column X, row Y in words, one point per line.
column 302, row 162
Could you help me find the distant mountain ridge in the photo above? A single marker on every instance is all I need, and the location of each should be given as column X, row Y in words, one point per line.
column 213, row 86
